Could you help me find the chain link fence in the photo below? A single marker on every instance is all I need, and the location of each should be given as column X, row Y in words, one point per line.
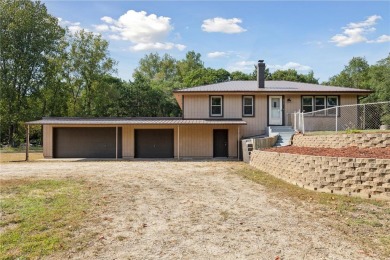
column 343, row 118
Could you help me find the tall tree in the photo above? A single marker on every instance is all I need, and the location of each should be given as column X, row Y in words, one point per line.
column 354, row 75
column 29, row 37
column 379, row 80
column 238, row 75
column 88, row 62
column 292, row 75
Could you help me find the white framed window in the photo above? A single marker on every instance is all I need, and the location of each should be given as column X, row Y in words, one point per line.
column 307, row 104
column 332, row 101
column 315, row 103
column 216, row 106
column 320, row 104
column 247, row 106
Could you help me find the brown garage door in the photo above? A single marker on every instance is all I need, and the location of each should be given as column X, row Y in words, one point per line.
column 86, row 142
column 153, row 143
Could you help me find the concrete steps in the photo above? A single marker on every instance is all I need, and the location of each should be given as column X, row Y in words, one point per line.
column 284, row 133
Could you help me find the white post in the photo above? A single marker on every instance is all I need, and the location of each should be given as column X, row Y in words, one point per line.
column 178, row 142
column 299, row 120
column 337, row 113
column 295, row 121
column 116, row 143
column 303, row 123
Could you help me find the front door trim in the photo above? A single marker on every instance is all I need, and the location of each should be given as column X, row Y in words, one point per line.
column 269, row 110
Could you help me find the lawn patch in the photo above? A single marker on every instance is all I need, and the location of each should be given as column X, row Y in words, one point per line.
column 366, row 221
column 38, row 216
column 19, row 157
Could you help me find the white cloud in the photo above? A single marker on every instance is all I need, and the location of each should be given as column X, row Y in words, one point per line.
column 356, row 32
column 381, row 39
column 146, row 32
column 73, row 27
column 290, row 65
column 157, row 46
column 244, row 66
column 223, row 25
column 217, row 54
column 101, row 27
column 107, row 19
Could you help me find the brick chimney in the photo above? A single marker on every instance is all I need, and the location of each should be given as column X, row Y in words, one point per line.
column 261, row 74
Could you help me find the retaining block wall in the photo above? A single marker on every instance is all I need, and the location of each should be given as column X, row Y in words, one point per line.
column 342, row 140
column 355, row 176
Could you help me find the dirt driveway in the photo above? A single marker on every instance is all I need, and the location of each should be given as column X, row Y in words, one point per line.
column 189, row 210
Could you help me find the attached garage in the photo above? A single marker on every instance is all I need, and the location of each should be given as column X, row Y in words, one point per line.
column 154, row 143
column 87, row 142
column 139, row 138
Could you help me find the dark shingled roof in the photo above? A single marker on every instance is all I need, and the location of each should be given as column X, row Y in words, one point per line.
column 133, row 121
column 270, row 86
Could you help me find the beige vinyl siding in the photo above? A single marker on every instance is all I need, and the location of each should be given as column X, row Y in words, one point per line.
column 232, row 106
column 291, row 107
column 196, row 141
column 256, row 125
column 47, row 141
column 127, row 142
column 196, row 107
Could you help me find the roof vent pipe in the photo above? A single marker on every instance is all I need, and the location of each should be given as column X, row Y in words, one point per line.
column 261, row 74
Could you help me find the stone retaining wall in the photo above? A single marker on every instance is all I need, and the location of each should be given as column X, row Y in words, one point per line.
column 342, row 140
column 256, row 143
column 354, row 176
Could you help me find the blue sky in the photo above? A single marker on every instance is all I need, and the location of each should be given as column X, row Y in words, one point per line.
column 318, row 36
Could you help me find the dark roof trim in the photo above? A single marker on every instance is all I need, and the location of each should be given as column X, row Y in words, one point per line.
column 133, row 121
column 266, row 91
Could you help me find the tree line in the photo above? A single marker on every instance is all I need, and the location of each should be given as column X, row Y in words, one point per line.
column 47, row 71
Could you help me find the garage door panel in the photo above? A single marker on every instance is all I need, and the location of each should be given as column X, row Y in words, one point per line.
column 86, row 142
column 154, row 143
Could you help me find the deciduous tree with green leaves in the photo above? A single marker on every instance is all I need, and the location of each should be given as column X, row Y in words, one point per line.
column 29, row 38
column 354, row 75
column 87, row 63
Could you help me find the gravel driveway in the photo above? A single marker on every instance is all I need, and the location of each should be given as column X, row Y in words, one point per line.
column 172, row 210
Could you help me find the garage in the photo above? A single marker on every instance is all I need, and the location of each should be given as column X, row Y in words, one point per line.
column 154, row 143
column 86, row 142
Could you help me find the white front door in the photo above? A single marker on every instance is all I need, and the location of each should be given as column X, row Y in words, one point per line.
column 275, row 110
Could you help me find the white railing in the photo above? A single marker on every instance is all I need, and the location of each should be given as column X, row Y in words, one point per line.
column 341, row 118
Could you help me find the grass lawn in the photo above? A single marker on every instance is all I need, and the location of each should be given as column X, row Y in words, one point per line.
column 353, row 131
column 33, row 149
column 19, row 157
column 39, row 216
column 365, row 220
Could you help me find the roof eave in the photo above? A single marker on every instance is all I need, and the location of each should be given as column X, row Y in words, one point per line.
column 273, row 91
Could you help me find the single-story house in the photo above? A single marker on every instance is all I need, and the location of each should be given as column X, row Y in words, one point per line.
column 214, row 118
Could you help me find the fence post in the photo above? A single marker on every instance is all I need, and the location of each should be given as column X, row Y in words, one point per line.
column 303, row 123
column 299, row 121
column 364, row 116
column 295, row 121
column 337, row 113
